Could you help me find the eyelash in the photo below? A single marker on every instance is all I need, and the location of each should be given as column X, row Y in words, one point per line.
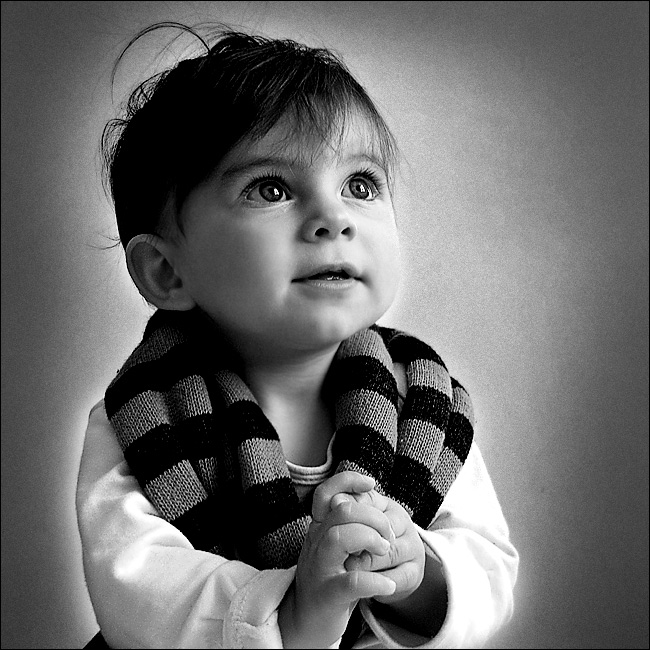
column 272, row 176
column 373, row 177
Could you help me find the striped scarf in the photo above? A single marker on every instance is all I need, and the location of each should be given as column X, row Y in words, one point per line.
column 212, row 464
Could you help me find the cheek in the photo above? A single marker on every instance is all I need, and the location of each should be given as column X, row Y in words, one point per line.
column 388, row 258
column 234, row 263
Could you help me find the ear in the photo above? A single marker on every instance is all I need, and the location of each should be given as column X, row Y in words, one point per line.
column 149, row 260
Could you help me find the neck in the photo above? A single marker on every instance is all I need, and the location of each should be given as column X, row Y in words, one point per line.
column 290, row 393
column 296, row 380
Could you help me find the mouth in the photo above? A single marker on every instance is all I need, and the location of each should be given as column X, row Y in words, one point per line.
column 330, row 273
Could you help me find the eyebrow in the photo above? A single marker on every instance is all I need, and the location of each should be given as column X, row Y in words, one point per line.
column 247, row 166
column 237, row 169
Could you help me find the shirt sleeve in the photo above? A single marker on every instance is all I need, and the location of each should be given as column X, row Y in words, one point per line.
column 148, row 586
column 470, row 538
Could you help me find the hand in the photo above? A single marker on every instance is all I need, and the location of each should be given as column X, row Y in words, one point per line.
column 405, row 562
column 338, row 530
column 324, row 591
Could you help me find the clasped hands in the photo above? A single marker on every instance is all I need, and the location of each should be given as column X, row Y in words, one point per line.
column 360, row 544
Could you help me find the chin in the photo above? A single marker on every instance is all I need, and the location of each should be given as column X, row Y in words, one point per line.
column 325, row 333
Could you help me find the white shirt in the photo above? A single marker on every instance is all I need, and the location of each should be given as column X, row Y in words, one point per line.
column 151, row 589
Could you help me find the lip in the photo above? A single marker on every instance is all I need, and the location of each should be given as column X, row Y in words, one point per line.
column 330, row 287
column 349, row 269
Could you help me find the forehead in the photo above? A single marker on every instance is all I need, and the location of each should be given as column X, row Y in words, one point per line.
column 355, row 139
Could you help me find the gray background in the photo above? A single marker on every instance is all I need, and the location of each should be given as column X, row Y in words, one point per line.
column 523, row 210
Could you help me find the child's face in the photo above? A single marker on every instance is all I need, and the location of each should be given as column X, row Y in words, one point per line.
column 267, row 237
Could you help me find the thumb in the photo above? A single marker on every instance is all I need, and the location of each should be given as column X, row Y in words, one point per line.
column 348, row 481
column 355, row 585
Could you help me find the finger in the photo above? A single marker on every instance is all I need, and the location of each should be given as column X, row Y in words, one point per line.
column 338, row 542
column 399, row 518
column 352, row 482
column 342, row 497
column 371, row 498
column 359, row 562
column 406, row 576
column 374, row 498
column 377, row 501
column 407, row 548
column 366, row 561
column 352, row 512
column 359, row 584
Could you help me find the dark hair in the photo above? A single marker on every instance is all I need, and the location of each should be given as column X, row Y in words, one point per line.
column 177, row 125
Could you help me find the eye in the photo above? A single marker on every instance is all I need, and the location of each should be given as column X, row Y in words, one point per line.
column 364, row 187
column 265, row 191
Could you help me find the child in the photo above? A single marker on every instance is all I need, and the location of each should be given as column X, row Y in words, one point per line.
column 270, row 468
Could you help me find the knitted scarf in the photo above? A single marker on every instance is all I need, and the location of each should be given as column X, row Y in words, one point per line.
column 212, row 464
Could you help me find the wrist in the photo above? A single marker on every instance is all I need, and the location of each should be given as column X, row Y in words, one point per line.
column 304, row 623
column 286, row 618
column 422, row 610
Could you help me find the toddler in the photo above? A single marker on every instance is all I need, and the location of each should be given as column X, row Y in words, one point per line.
column 270, row 468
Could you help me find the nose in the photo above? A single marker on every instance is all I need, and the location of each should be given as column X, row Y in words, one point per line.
column 328, row 222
